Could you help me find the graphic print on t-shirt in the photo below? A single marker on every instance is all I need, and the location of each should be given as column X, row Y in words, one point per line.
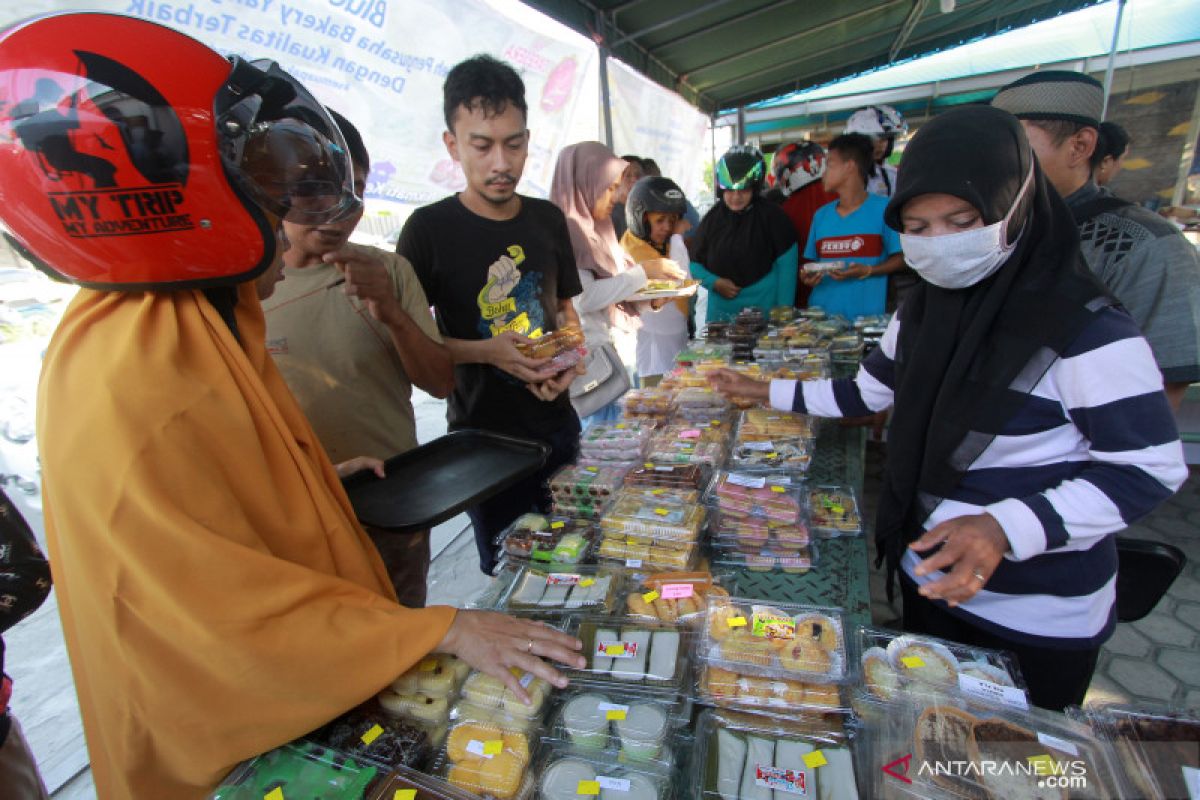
column 850, row 247
column 511, row 299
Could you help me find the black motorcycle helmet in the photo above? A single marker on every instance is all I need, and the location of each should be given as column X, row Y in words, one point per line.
column 652, row 194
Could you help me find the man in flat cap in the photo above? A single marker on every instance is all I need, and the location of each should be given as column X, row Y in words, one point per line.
column 1141, row 258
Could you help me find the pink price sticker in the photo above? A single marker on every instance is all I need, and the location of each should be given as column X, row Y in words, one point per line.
column 676, row 591
column 692, row 433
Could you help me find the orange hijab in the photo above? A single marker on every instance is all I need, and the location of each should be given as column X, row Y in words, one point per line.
column 217, row 596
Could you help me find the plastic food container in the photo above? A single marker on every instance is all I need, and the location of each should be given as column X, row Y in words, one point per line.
column 896, row 665
column 486, row 692
column 735, row 530
column 746, row 756
column 778, row 498
column 786, row 641
column 743, row 691
column 672, row 597
column 834, row 511
column 300, row 769
column 368, row 733
column 1158, row 750
column 655, row 518
column 635, row 652
column 551, row 540
column 566, row 338
column 407, row 784
column 622, row 441
column 425, row 692
column 678, row 475
column 791, row 559
column 635, row 728
column 587, row 481
column 639, row 554
column 587, row 589
column 570, row 775
column 993, row 753
column 673, row 450
column 647, row 402
column 767, row 422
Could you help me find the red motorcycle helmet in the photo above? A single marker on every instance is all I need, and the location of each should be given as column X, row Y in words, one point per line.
column 133, row 157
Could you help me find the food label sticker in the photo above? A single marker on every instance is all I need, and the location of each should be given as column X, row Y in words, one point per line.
column 274, row 794
column 586, row 582
column 912, row 662
column 588, row 788
column 658, row 492
column 648, row 465
column 1058, row 744
column 476, row 747
column 617, row 649
column 372, row 733
column 620, row 426
column 405, row 794
column 633, row 562
column 778, row 489
column 691, row 433
column 664, row 469
column 748, row 481
column 677, row 591
column 772, row 454
column 607, row 707
column 815, row 759
column 556, row 525
column 773, row 627
column 781, row 779
column 615, row 714
column 615, row 784
column 493, row 747
column 650, row 596
column 592, row 469
column 986, row 690
column 662, row 512
column 1191, row 779
column 1042, row 765
column 427, row 665
column 562, row 579
column 765, row 447
column 524, row 678
column 795, row 562
column 736, row 622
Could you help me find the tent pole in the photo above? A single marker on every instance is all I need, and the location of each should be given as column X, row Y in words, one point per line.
column 605, row 96
column 1112, row 58
column 741, row 124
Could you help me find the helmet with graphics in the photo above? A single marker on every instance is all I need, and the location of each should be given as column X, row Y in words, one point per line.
column 140, row 159
column 878, row 120
column 798, row 164
column 742, row 167
column 652, row 194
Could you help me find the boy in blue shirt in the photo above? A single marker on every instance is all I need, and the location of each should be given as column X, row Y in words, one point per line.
column 851, row 230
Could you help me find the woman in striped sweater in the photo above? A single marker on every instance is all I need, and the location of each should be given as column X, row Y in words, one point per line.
column 1029, row 423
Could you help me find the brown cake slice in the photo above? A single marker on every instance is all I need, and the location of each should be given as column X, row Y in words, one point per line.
column 1163, row 746
column 942, row 735
column 1003, row 742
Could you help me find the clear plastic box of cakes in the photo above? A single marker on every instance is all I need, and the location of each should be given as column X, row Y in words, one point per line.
column 487, row 760
column 627, row 726
column 669, row 517
column 426, row 691
column 1157, row 749
column 301, row 769
column 777, row 640
column 945, row 752
column 767, row 422
column 671, row 449
column 639, row 553
column 657, row 476
column 549, row 540
column 587, row 481
column 742, row 756
column 735, row 530
column 790, row 559
column 568, row 774
column 654, row 403
column 594, row 590
column 585, row 508
column 896, row 665
column 631, row 652
column 485, row 698
column 778, row 498
column 623, row 442
column 371, row 735
column 408, row 784
column 833, row 511
column 738, row 690
column 716, row 429
column 699, row 403
column 676, row 597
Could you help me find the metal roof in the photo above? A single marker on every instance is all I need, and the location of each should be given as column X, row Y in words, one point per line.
column 720, row 54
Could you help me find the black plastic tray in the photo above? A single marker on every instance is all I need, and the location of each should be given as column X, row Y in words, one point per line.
column 431, row 483
column 1145, row 571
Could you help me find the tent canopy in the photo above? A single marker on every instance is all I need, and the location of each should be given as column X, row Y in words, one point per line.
column 720, row 54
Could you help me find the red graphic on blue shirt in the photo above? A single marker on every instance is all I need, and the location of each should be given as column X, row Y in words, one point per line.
column 851, row 248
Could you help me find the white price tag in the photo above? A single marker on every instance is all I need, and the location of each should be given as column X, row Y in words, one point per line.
column 606, row 707
column 526, row 679
column 476, row 747
column 749, row 481
column 615, row 784
column 1058, row 744
column 765, row 447
column 994, row 692
column 633, row 562
column 1191, row 779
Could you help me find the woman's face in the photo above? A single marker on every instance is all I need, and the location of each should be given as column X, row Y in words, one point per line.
column 738, row 199
column 604, row 204
column 938, row 214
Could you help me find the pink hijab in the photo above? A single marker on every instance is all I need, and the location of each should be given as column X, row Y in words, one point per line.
column 582, row 174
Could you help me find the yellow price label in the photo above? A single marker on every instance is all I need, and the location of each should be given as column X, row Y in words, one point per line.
column 815, row 759
column 615, row 713
column 912, row 662
column 556, row 525
column 274, row 794
column 648, row 465
column 588, row 788
column 591, row 469
column 658, row 492
column 650, row 596
column 586, row 582
column 614, row 650
column 772, row 455
column 1042, row 765
column 737, row 622
column 405, row 794
column 778, row 489
column 662, row 512
column 716, row 423
column 493, row 747
column 620, row 426
column 427, row 665
column 372, row 734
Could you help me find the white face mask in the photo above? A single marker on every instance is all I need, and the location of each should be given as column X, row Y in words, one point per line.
column 959, row 260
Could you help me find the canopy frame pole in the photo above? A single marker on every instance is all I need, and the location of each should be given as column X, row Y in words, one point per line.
column 1112, row 59
column 605, row 95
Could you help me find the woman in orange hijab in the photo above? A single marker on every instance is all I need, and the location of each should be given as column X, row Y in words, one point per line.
column 217, row 596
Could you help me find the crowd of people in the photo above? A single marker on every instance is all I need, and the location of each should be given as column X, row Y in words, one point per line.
column 209, row 568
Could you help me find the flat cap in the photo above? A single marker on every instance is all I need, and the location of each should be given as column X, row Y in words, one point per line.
column 1054, row 94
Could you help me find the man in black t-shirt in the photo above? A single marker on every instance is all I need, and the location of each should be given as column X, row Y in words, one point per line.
column 499, row 270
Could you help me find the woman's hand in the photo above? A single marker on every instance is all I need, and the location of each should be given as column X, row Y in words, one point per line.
column 972, row 547
column 726, row 288
column 859, row 271
column 493, row 643
column 348, row 468
column 811, row 279
column 662, row 269
column 735, row 384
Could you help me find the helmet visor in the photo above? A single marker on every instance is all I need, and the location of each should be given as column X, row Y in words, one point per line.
column 283, row 148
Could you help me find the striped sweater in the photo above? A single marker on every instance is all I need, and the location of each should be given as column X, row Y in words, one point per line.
column 1093, row 449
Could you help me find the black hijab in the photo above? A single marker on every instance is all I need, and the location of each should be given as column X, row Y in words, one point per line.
column 743, row 245
column 967, row 359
